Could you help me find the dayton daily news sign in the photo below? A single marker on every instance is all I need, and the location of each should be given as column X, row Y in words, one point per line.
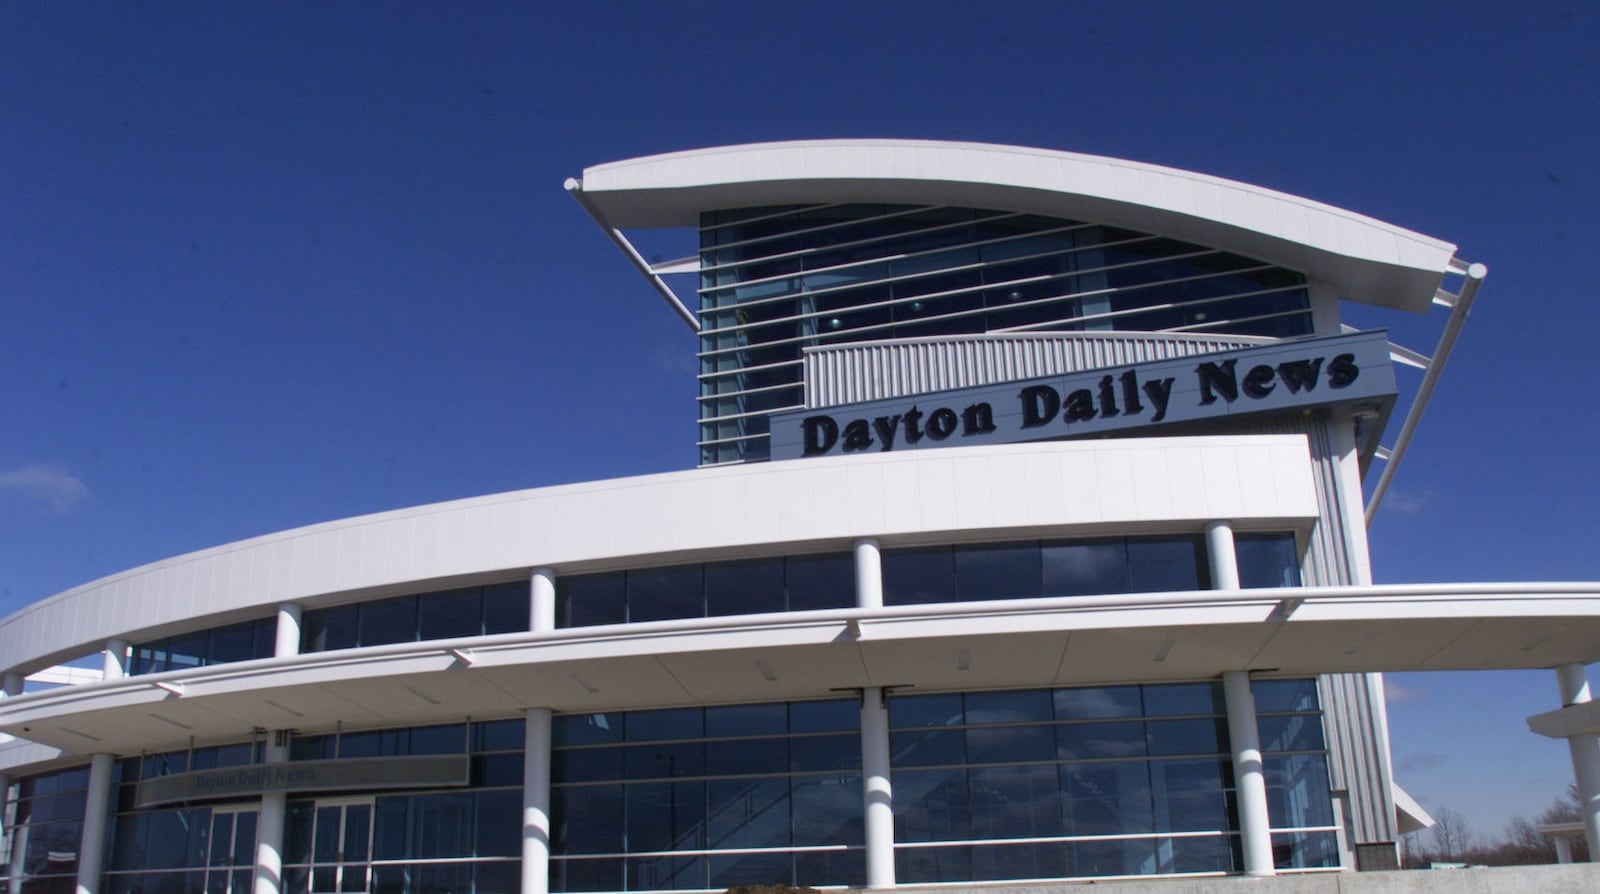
column 1276, row 376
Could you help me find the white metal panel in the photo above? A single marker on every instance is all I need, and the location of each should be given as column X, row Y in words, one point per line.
column 1369, row 260
column 677, row 516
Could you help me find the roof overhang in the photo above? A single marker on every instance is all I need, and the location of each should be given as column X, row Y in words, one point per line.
column 1366, row 260
column 1060, row 641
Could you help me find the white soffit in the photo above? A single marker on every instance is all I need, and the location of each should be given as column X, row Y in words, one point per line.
column 1367, row 260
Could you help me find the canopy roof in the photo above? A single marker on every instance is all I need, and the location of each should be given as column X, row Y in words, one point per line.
column 1366, row 260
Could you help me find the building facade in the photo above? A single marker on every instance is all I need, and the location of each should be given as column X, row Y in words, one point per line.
column 1028, row 543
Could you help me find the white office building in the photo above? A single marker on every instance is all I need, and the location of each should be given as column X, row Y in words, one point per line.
column 1028, row 542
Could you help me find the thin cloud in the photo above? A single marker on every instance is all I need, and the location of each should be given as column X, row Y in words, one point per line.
column 1400, row 693
column 47, row 485
column 1405, row 503
column 1426, row 760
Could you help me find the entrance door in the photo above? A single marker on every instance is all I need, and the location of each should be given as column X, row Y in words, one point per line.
column 341, row 846
column 232, row 857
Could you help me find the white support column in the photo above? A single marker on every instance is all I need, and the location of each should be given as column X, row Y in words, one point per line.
column 1250, row 782
column 542, row 600
column 92, row 841
column 876, row 792
column 1220, row 555
column 536, row 803
column 869, row 574
column 14, row 684
column 287, row 640
column 114, row 660
column 274, row 809
column 1563, row 848
column 1585, row 751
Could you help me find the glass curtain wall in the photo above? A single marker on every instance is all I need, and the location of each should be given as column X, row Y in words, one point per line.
column 708, row 798
column 1098, row 782
column 776, row 280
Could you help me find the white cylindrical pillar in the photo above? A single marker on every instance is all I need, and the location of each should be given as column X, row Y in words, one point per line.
column 1250, row 781
column 536, row 803
column 1585, row 750
column 287, row 640
column 14, row 684
column 542, row 600
column 114, row 660
column 274, row 804
column 869, row 574
column 1563, row 848
column 876, row 791
column 92, row 840
column 1220, row 555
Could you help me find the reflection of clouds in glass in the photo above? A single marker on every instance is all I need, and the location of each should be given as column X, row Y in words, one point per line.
column 1106, row 701
column 1084, row 568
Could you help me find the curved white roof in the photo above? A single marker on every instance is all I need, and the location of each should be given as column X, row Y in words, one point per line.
column 1366, row 260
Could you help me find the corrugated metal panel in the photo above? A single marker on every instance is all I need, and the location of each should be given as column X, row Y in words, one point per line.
column 850, row 373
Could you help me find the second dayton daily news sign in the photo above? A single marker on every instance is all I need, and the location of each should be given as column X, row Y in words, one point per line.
column 1276, row 376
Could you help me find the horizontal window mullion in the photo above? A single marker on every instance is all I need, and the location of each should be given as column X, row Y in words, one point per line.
column 823, row 334
column 803, row 209
column 1065, row 839
column 801, row 253
column 807, row 231
column 958, row 268
column 751, row 413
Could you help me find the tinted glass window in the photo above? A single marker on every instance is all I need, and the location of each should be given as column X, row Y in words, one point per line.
column 1085, row 569
column 591, row 599
column 388, row 621
column 656, row 594
column 1267, row 560
column 738, row 588
column 918, row 576
column 1167, row 564
column 451, row 613
column 1006, row 571
column 818, row 582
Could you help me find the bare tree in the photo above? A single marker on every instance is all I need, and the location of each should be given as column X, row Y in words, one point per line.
column 1450, row 834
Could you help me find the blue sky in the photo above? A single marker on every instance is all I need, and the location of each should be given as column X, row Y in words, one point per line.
column 263, row 265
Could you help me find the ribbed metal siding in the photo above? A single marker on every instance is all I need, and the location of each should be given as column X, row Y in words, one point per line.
column 850, row 373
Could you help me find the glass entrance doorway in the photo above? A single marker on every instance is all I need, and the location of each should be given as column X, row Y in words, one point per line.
column 231, row 857
column 341, row 846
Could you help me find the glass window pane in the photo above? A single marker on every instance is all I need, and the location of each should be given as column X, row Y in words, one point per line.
column 1290, row 732
column 1298, row 790
column 1002, row 571
column 1096, row 858
column 586, row 729
column 841, row 752
column 1084, row 569
column 671, row 723
column 656, row 594
column 388, row 621
column 1087, row 741
column 820, row 582
column 506, row 608
column 1284, row 695
column 919, row 576
column 747, row 813
column 1106, row 798
column 1015, row 706
column 741, row 588
column 450, row 614
column 188, row 650
column 736, row 756
column 591, row 599
column 1015, row 802
column 1003, row 744
column 665, row 816
column 1097, row 702
column 931, row 805
column 329, row 628
column 1198, row 736
column 747, row 720
column 585, row 765
column 236, row 642
column 1189, row 795
column 930, row 747
column 1183, row 698
column 907, row 711
column 1164, row 564
column 1267, row 560
column 827, row 810
column 824, row 716
column 588, row 820
column 665, row 760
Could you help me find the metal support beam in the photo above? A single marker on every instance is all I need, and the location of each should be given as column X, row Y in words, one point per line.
column 575, row 187
column 1452, row 329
